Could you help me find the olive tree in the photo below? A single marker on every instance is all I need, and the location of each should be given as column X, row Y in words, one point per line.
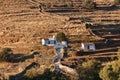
column 111, row 72
column 89, row 70
column 61, row 37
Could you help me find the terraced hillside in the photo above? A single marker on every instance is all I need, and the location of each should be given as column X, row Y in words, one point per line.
column 105, row 23
column 22, row 26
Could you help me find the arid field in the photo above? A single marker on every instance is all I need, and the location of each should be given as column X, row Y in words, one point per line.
column 23, row 26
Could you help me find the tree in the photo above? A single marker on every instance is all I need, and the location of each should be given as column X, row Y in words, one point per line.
column 61, row 37
column 92, row 64
column 89, row 70
column 111, row 72
column 5, row 54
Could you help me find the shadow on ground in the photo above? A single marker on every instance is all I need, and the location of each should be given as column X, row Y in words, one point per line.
column 62, row 10
column 21, row 58
column 20, row 76
column 108, row 8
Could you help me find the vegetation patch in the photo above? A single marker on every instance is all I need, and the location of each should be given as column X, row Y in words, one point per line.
column 89, row 70
column 88, row 4
column 33, row 74
column 61, row 37
column 117, row 2
column 110, row 72
column 46, row 5
column 5, row 54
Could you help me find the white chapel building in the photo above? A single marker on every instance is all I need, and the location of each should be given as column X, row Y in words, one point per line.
column 52, row 42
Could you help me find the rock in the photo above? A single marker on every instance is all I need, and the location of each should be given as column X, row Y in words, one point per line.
column 1, row 33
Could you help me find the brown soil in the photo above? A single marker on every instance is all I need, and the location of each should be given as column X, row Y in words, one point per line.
column 22, row 26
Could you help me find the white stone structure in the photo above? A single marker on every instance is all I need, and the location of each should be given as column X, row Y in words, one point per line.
column 52, row 42
column 88, row 46
column 49, row 42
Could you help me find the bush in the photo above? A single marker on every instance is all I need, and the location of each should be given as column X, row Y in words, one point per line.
column 89, row 70
column 61, row 37
column 31, row 74
column 45, row 5
column 117, row 2
column 47, row 75
column 5, row 54
column 89, row 4
column 92, row 64
column 110, row 72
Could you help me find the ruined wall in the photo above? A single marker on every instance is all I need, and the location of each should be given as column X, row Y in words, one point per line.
column 104, row 1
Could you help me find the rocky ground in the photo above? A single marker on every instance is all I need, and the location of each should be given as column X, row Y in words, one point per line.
column 22, row 27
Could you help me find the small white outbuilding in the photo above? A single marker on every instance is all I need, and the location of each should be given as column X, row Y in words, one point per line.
column 88, row 46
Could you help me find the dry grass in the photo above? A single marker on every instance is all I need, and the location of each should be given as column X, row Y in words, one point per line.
column 22, row 28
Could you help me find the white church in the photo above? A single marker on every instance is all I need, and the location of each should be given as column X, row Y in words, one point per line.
column 52, row 42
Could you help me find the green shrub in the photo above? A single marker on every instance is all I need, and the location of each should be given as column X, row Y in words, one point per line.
column 31, row 74
column 47, row 75
column 5, row 54
column 89, row 4
column 92, row 64
column 117, row 2
column 89, row 70
column 110, row 72
column 61, row 37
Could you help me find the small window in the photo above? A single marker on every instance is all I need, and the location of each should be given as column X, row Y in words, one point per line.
column 54, row 42
column 48, row 42
column 88, row 47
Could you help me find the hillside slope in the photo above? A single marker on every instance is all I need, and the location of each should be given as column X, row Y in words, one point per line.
column 22, row 26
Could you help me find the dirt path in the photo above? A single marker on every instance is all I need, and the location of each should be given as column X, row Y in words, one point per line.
column 57, row 63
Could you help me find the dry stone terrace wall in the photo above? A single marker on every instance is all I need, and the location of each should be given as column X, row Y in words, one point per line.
column 104, row 1
column 22, row 26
